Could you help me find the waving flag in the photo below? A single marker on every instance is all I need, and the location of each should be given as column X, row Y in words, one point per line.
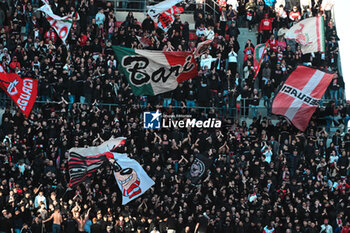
column 166, row 19
column 22, row 91
column 155, row 10
column 309, row 33
column 145, row 41
column 259, row 53
column 202, row 47
column 199, row 167
column 83, row 162
column 61, row 25
column 300, row 95
column 164, row 12
column 152, row 72
column 132, row 180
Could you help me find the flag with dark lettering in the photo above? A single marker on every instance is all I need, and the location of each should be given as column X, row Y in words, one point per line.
column 166, row 19
column 155, row 10
column 300, row 95
column 84, row 162
column 151, row 72
column 61, row 25
column 22, row 91
column 198, row 168
column 165, row 12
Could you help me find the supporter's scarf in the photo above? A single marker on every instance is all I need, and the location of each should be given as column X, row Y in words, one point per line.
column 83, row 162
column 132, row 180
column 309, row 33
column 61, row 25
column 300, row 95
column 152, row 72
column 22, row 91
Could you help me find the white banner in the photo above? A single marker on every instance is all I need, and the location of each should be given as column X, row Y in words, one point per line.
column 132, row 180
column 107, row 146
column 61, row 25
column 155, row 10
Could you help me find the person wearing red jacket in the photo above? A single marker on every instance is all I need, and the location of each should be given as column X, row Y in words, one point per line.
column 295, row 15
column 346, row 229
column 273, row 43
column 265, row 28
column 15, row 64
column 50, row 35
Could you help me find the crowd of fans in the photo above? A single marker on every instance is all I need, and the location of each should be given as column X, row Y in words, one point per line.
column 264, row 177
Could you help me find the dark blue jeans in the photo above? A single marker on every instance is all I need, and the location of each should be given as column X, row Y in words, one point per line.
column 56, row 228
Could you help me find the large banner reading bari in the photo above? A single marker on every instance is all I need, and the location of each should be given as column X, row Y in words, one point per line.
column 152, row 72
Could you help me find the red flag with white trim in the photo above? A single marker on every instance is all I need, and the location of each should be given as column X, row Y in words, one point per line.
column 300, row 95
column 22, row 91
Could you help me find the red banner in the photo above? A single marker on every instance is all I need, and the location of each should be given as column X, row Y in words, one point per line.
column 22, row 91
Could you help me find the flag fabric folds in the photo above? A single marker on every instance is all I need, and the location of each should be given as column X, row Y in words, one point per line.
column 166, row 19
column 83, row 162
column 300, row 95
column 155, row 10
column 164, row 12
column 145, row 41
column 61, row 25
column 132, row 180
column 309, row 33
column 259, row 53
column 202, row 47
column 198, row 168
column 22, row 91
column 152, row 72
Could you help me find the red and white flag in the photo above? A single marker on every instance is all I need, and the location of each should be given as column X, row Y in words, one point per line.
column 145, row 41
column 300, row 95
column 202, row 48
column 155, row 10
column 22, row 91
column 309, row 33
column 166, row 19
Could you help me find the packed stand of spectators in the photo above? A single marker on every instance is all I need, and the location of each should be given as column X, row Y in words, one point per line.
column 263, row 177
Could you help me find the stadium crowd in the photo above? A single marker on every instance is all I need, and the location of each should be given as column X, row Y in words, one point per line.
column 264, row 177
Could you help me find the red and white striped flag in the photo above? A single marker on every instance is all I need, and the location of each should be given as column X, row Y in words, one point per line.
column 300, row 95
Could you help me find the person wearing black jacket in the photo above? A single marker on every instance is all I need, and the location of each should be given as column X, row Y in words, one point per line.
column 148, row 24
